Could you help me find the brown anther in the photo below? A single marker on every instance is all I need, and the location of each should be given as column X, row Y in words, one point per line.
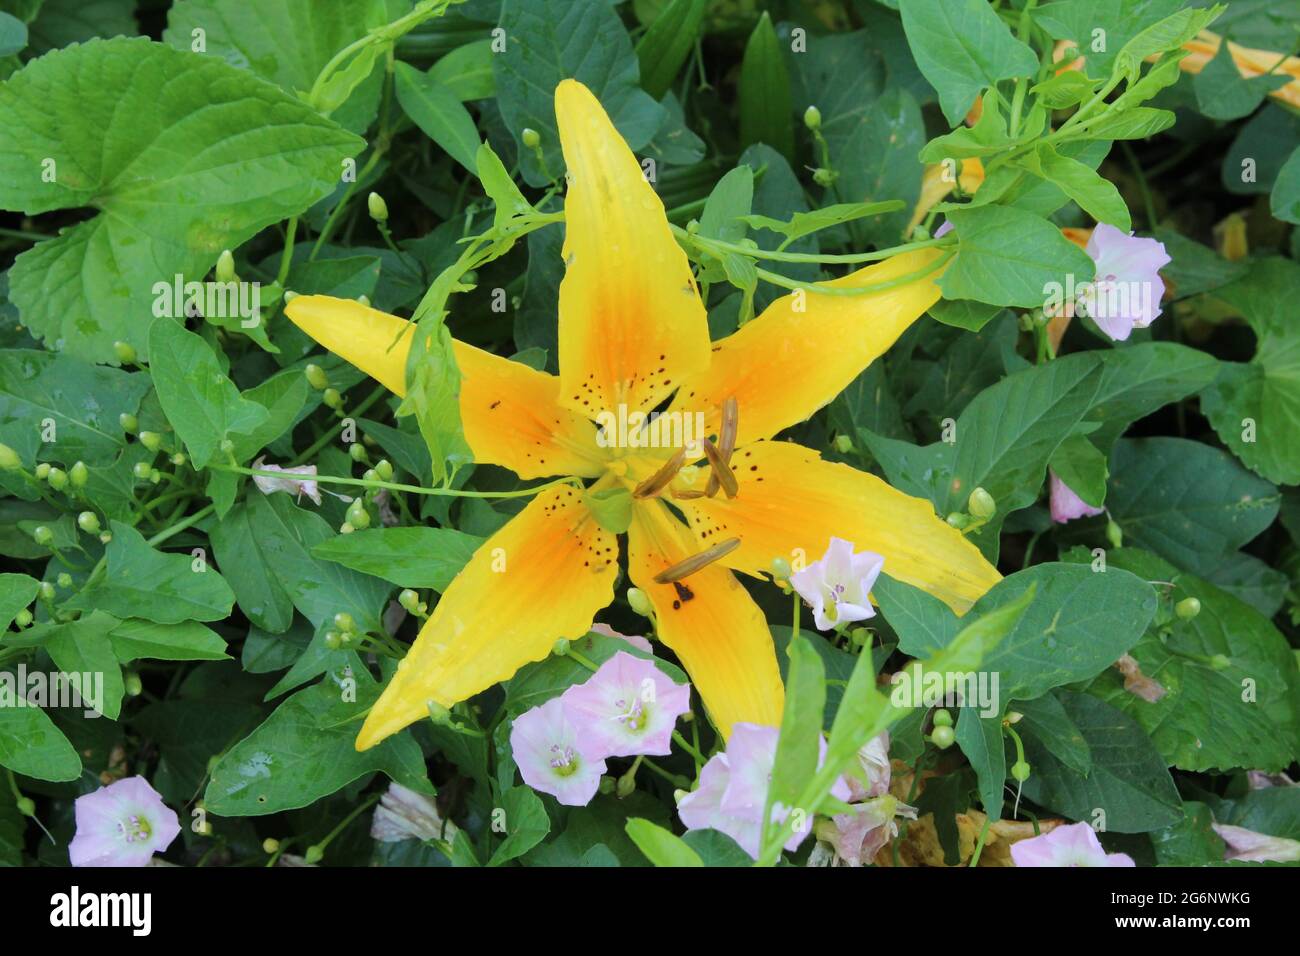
column 726, row 441
column 661, row 478
column 721, row 470
column 696, row 562
column 687, row 495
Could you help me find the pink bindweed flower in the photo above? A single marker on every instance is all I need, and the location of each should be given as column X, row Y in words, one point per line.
column 628, row 707
column 1073, row 845
column 303, row 484
column 404, row 814
column 555, row 756
column 636, row 640
column 857, row 836
column 122, row 824
column 837, row 586
column 1243, row 844
column 1127, row 289
column 733, row 789
column 873, row 761
column 1065, row 505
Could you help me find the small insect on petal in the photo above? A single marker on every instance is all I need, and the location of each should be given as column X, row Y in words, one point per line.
column 661, row 478
column 695, row 562
column 721, row 470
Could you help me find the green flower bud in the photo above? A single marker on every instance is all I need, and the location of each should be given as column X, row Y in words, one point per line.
column 333, row 640
column 332, row 398
column 64, row 580
column 141, row 469
column 78, row 474
column 843, row 444
column 357, row 514
column 561, row 647
column 626, row 786
column 384, row 469
column 860, row 636
column 781, row 569
column 151, row 440
column 9, row 459
column 346, row 528
column 226, row 266
column 316, row 377
column 639, row 602
column 378, row 208
column 812, row 118
column 23, row 618
column 981, row 504
column 125, row 352
column 105, row 537
column 227, row 446
column 1187, row 608
column 58, row 479
column 1020, row 771
column 26, row 806
column 409, row 600
column 128, row 422
column 357, row 452
column 270, row 845
column 607, row 785
column 958, row 520
column 1114, row 534
column 46, row 591
column 942, row 718
column 370, row 475
column 343, row 621
column 693, row 226
column 43, row 470
column 825, row 177
column 289, row 296
column 178, row 459
column 1220, row 662
column 88, row 522
column 155, row 476
column 531, row 138
column 314, row 854
column 131, row 682
column 942, row 737
column 364, row 300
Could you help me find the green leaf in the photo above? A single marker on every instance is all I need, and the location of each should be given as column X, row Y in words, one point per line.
column 1210, row 719
column 212, row 156
column 257, row 589
column 407, row 557
column 805, row 223
column 666, row 44
column 1188, row 502
column 1008, row 256
column 83, row 647
column 536, row 683
column 306, row 750
column 885, row 165
column 439, row 114
column 202, row 404
column 1167, row 34
column 466, row 71
column 30, row 744
column 963, row 47
column 17, row 591
column 163, row 588
column 433, row 395
column 1046, row 721
column 981, row 741
column 1222, row 93
column 62, row 22
column 727, row 208
column 1255, row 408
column 766, row 104
column 989, row 135
column 551, row 40
column 1141, row 122
column 499, row 186
column 284, row 397
column 526, row 824
column 1140, row 379
column 1129, row 782
column 716, row 848
column 1264, row 145
column 1079, row 464
column 1190, row 842
column 1095, row 195
column 661, row 847
column 1284, row 203
column 799, row 745
column 1064, row 89
column 1100, row 28
column 187, row 641
column 13, row 34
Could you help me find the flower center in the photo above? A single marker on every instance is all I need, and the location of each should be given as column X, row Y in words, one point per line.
column 135, row 830
column 564, row 760
column 634, row 718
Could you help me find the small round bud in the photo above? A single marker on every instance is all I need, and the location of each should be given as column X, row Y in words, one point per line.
column 227, row 446
column 843, row 444
column 812, row 118
column 78, row 474
column 316, row 377
column 860, row 636
column 981, row 504
column 357, row 515
column 151, row 440
column 958, row 520
column 125, row 352
column 344, row 622
column 26, row 806
column 141, row 469
column 23, row 618
column 128, row 422
column 226, row 266
column 42, row 535
column 64, row 580
column 9, row 459
column 409, row 600
column 88, row 522
column 639, row 602
column 46, row 591
column 314, row 852
column 105, row 537
column 346, row 528
column 333, row 640
column 942, row 737
column 1114, row 534
column 942, row 718
column 825, row 177
column 270, row 845
column 781, row 569
column 607, row 785
column 626, row 786
column 530, row 137
column 693, row 226
column 43, row 470
column 58, row 479
column 155, row 476
column 364, row 300
column 332, row 398
column 1020, row 771
column 1187, row 608
column 132, row 683
column 1014, row 717
column 378, row 208
column 178, row 459
column 561, row 647
column 1220, row 662
column 384, row 469
column 289, row 296
column 370, row 475
column 357, row 452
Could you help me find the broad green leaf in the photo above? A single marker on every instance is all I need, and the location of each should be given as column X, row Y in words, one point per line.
column 964, row 314
column 885, row 165
column 1100, row 28
column 30, row 744
column 212, row 156
column 1285, row 200
column 1190, row 503
column 716, row 848
column 467, row 71
column 1079, row 463
column 1128, row 782
column 728, row 205
column 667, row 43
column 963, row 47
column 1008, row 256
column 187, row 641
column 17, row 591
column 499, row 186
column 433, row 395
column 62, row 22
column 439, row 114
column 159, row 587
column 1141, row 122
column 551, row 40
column 1066, row 89
column 303, row 753
column 988, row 136
column 13, row 34
column 1167, row 34
column 1195, row 268
column 526, row 824
column 1222, row 93
column 661, row 847
column 257, row 589
column 406, row 557
column 799, row 745
column 1191, row 841
column 841, row 75
column 1254, row 161
column 1140, row 379
column 83, row 647
column 1210, row 719
column 1095, row 195
column 980, row 739
column 1046, row 721
column 766, row 104
column 200, row 401
column 284, row 397
column 805, row 223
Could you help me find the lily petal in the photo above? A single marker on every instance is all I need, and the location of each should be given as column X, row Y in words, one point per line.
column 791, row 499
column 709, row 620
column 632, row 325
column 542, row 577
column 805, row 349
column 511, row 413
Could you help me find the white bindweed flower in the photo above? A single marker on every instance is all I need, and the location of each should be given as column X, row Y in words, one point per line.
column 837, row 587
column 297, row 481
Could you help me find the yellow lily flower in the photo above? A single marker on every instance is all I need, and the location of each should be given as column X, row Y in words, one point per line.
column 633, row 332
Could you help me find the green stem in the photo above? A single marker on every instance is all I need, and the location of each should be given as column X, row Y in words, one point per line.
column 395, row 486
column 821, row 289
column 325, row 439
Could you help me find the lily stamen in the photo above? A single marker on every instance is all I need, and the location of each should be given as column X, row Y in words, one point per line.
column 726, row 439
column 661, row 478
column 721, row 470
column 695, row 562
